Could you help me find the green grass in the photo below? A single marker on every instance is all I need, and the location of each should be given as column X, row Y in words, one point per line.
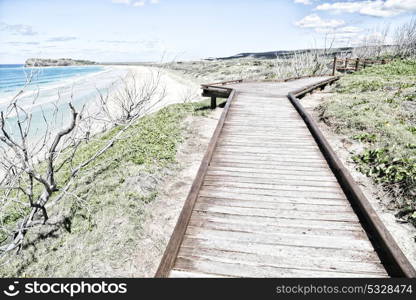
column 377, row 107
column 100, row 221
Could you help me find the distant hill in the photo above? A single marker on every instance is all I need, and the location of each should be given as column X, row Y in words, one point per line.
column 41, row 62
column 283, row 53
column 344, row 51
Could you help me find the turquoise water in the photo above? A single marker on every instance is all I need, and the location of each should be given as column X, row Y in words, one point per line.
column 52, row 88
column 14, row 77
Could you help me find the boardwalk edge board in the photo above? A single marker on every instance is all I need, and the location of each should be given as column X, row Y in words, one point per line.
column 387, row 249
column 172, row 249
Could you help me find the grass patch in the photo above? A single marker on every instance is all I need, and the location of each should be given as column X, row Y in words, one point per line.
column 377, row 107
column 99, row 223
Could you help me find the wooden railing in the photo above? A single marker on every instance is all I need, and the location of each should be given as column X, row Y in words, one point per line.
column 354, row 64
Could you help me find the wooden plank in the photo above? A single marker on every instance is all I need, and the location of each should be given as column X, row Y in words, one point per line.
column 269, row 134
column 246, row 178
column 321, row 170
column 267, row 138
column 232, row 156
column 304, row 152
column 316, row 264
column 292, row 186
column 293, row 207
column 266, row 145
column 281, row 214
column 242, row 163
column 303, row 241
column 185, row 274
column 250, row 162
column 222, row 223
column 261, row 129
column 266, row 155
column 344, row 255
column 252, row 270
column 290, row 193
column 226, row 194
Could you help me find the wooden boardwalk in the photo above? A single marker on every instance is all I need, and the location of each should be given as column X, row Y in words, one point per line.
column 269, row 205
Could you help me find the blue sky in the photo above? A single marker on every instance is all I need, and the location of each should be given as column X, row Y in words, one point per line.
column 144, row 30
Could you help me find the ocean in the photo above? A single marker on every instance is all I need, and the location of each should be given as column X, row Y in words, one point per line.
column 14, row 77
column 51, row 88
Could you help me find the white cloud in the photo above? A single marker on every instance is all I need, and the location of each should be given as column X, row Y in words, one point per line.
column 135, row 3
column 61, row 39
column 17, row 29
column 346, row 30
column 306, row 2
column 121, row 1
column 406, row 5
column 377, row 8
column 314, row 21
column 350, row 29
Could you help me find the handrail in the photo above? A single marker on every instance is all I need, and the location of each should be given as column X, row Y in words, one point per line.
column 223, row 82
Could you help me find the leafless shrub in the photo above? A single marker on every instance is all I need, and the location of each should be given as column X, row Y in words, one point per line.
column 38, row 170
column 311, row 62
column 405, row 39
column 374, row 44
column 132, row 97
column 308, row 63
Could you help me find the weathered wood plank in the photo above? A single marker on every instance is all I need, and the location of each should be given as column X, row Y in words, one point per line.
column 231, row 156
column 246, row 178
column 185, row 274
column 300, row 151
column 274, row 187
column 275, row 145
column 293, row 207
column 282, row 214
column 281, row 165
column 252, row 270
column 225, row 193
column 263, row 248
column 290, row 193
column 273, row 169
column 317, row 264
column 222, row 223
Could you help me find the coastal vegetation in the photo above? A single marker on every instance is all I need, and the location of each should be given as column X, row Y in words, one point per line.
column 377, row 107
column 102, row 214
column 38, row 171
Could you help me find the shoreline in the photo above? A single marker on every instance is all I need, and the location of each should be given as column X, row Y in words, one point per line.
column 83, row 90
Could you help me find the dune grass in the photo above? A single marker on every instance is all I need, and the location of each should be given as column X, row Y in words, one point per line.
column 95, row 229
column 377, row 107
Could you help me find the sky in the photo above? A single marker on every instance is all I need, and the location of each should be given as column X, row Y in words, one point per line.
column 152, row 30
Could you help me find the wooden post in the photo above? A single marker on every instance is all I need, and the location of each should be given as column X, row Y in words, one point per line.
column 334, row 67
column 346, row 65
column 357, row 62
column 213, row 102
